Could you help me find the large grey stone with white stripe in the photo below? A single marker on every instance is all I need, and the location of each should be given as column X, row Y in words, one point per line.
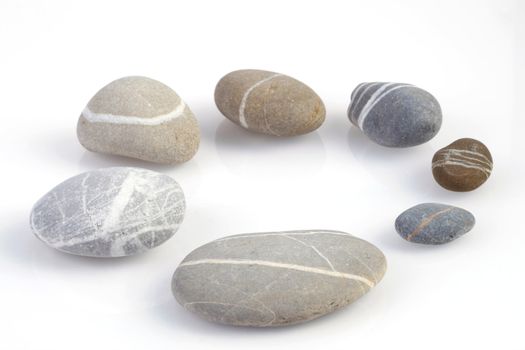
column 434, row 223
column 276, row 278
column 395, row 114
column 269, row 103
column 109, row 212
column 141, row 118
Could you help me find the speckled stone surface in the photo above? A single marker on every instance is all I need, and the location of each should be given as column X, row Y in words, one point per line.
column 109, row 212
column 464, row 165
column 276, row 278
column 434, row 223
column 141, row 118
column 395, row 114
column 269, row 103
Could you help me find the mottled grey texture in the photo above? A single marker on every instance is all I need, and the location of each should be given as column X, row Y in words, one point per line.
column 131, row 118
column 276, row 278
column 269, row 103
column 395, row 114
column 433, row 223
column 109, row 212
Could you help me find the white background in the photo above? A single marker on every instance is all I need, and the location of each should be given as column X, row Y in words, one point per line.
column 54, row 55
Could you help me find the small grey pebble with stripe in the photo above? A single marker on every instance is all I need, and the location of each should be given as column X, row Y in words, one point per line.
column 109, row 212
column 276, row 278
column 434, row 223
column 395, row 114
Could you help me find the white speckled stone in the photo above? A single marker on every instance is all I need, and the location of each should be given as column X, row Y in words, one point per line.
column 276, row 278
column 109, row 212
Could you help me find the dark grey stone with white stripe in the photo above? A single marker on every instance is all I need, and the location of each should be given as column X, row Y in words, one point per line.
column 276, row 278
column 109, row 212
column 395, row 114
column 434, row 223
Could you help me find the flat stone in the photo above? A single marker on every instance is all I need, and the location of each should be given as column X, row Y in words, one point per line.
column 109, row 212
column 276, row 278
column 434, row 223
column 395, row 114
column 269, row 103
column 140, row 118
column 462, row 166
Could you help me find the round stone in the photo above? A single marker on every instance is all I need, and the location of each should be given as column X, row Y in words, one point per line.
column 434, row 223
column 395, row 114
column 109, row 212
column 269, row 103
column 140, row 118
column 462, row 166
column 276, row 278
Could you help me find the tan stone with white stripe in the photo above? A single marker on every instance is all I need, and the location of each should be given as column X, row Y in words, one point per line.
column 140, row 118
column 269, row 103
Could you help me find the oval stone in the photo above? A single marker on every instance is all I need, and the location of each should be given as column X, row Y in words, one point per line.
column 109, row 212
column 276, row 278
column 140, row 118
column 434, row 223
column 462, row 166
column 269, row 103
column 395, row 114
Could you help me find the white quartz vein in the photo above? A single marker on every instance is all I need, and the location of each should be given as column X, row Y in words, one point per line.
column 377, row 96
column 314, row 249
column 462, row 152
column 291, row 233
column 461, row 163
column 355, row 101
column 132, row 120
column 295, row 267
column 242, row 106
column 120, row 201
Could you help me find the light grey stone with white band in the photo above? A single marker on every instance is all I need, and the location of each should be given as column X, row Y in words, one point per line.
column 141, row 118
column 276, row 278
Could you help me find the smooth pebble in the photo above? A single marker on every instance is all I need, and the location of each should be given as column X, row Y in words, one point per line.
column 462, row 166
column 434, row 223
column 141, row 118
column 276, row 278
column 269, row 103
column 395, row 114
column 109, row 212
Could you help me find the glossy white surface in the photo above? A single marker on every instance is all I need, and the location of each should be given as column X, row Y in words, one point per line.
column 471, row 55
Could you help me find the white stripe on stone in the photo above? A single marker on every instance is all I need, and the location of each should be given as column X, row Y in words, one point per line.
column 242, row 117
column 281, row 234
column 374, row 99
column 119, row 203
column 93, row 117
column 282, row 266
column 462, row 152
column 357, row 90
column 461, row 163
column 357, row 99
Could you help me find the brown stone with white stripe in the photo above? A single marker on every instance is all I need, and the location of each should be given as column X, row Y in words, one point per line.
column 462, row 166
column 269, row 103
